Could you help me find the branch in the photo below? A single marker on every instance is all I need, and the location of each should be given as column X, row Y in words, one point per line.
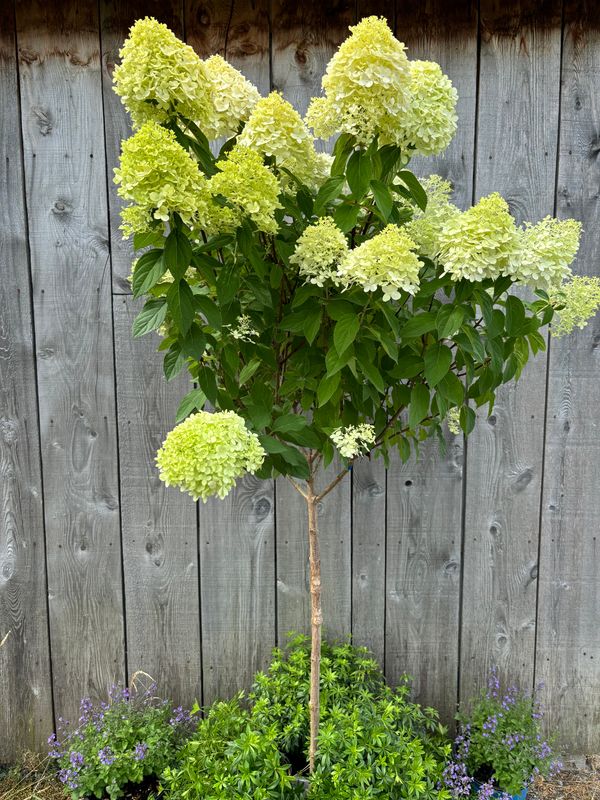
column 332, row 485
column 297, row 487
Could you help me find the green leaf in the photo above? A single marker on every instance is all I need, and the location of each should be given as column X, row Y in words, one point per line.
column 449, row 319
column 312, row 323
column 178, row 253
column 248, row 370
column 292, row 457
column 438, row 358
column 383, row 198
column 208, row 383
column 173, row 362
column 228, row 283
column 209, row 309
column 358, row 173
column 341, row 150
column 418, row 325
column 148, row 271
column 419, row 404
column 328, row 192
column 345, row 331
column 515, row 315
column 181, row 305
column 451, row 388
column 327, row 388
column 289, row 423
column 193, row 401
column 467, row 419
column 418, row 193
column 147, row 239
column 194, row 343
column 345, row 216
column 150, row 317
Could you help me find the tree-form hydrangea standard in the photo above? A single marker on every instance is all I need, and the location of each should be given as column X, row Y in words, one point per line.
column 334, row 302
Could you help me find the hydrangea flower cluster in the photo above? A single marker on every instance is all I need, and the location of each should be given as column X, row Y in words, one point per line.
column 233, row 98
column 430, row 125
column 206, row 453
column 366, row 86
column 159, row 76
column 481, row 242
column 159, row 178
column 425, row 227
column 388, row 261
column 576, row 301
column 277, row 131
column 354, row 440
column 249, row 186
column 130, row 737
column 320, row 249
column 243, row 330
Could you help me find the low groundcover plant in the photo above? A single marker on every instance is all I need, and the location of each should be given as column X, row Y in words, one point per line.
column 500, row 745
column 130, row 737
column 322, row 303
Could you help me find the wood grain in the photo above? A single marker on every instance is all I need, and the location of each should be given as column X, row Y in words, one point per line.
column 424, row 508
column 516, row 155
column 116, row 17
column 160, row 546
column 65, row 179
column 568, row 640
column 25, row 683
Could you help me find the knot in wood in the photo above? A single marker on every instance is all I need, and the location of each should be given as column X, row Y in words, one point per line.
column 61, row 207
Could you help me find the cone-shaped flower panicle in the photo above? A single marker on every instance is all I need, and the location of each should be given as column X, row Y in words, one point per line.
column 206, row 453
column 575, row 301
column 547, row 250
column 430, row 123
column 426, row 226
column 249, row 186
column 319, row 252
column 354, row 440
column 159, row 76
column 481, row 242
column 387, row 261
column 158, row 177
column 233, row 98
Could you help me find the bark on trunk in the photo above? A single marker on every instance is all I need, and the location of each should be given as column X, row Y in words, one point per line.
column 316, row 620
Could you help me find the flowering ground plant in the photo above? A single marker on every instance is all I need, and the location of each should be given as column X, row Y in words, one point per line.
column 321, row 303
column 500, row 745
column 130, row 737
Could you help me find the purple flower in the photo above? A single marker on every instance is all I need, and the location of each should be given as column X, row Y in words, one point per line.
column 493, row 683
column 140, row 751
column 456, row 779
column 76, row 759
column 106, row 756
column 180, row 716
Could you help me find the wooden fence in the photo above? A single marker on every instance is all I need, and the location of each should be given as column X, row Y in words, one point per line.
column 489, row 555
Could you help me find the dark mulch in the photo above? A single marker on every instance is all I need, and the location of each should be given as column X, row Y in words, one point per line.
column 579, row 781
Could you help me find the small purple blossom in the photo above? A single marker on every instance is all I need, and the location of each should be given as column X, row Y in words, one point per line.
column 106, row 756
column 140, row 750
column 76, row 759
column 180, row 716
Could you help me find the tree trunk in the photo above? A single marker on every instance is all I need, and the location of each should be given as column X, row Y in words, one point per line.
column 316, row 620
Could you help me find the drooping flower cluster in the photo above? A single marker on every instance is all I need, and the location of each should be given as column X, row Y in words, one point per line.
column 159, row 178
column 354, row 440
column 233, row 98
column 319, row 251
column 453, row 421
column 387, row 261
column 576, row 301
column 546, row 251
column 276, row 130
column 366, row 86
column 481, row 242
column 159, row 76
column 426, row 226
column 206, row 453
column 249, row 186
column 430, row 125
column 243, row 330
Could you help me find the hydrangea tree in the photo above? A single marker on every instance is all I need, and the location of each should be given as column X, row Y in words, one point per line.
column 321, row 303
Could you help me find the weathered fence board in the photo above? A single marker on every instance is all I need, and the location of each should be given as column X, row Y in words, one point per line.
column 66, row 198
column 568, row 645
column 25, row 679
column 203, row 593
column 519, row 65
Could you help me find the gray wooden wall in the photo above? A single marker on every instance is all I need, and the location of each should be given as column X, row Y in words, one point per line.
column 490, row 555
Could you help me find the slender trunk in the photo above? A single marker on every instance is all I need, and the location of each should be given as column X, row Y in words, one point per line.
column 316, row 620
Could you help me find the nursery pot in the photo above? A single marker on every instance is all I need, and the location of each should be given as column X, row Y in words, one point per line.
column 476, row 786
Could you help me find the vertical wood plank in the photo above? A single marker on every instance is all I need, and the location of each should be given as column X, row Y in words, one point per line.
column 66, row 200
column 237, row 535
column 516, row 155
column 424, row 512
column 25, row 684
column 116, row 17
column 160, row 550
column 568, row 640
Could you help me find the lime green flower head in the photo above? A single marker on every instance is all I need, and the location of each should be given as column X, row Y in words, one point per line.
column 276, row 130
column 366, row 86
column 249, row 186
column 481, row 242
column 547, row 250
column 387, row 261
column 430, row 123
column 233, row 97
column 426, row 226
column 575, row 301
column 319, row 251
column 354, row 440
column 159, row 178
column 159, row 76
column 206, row 453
